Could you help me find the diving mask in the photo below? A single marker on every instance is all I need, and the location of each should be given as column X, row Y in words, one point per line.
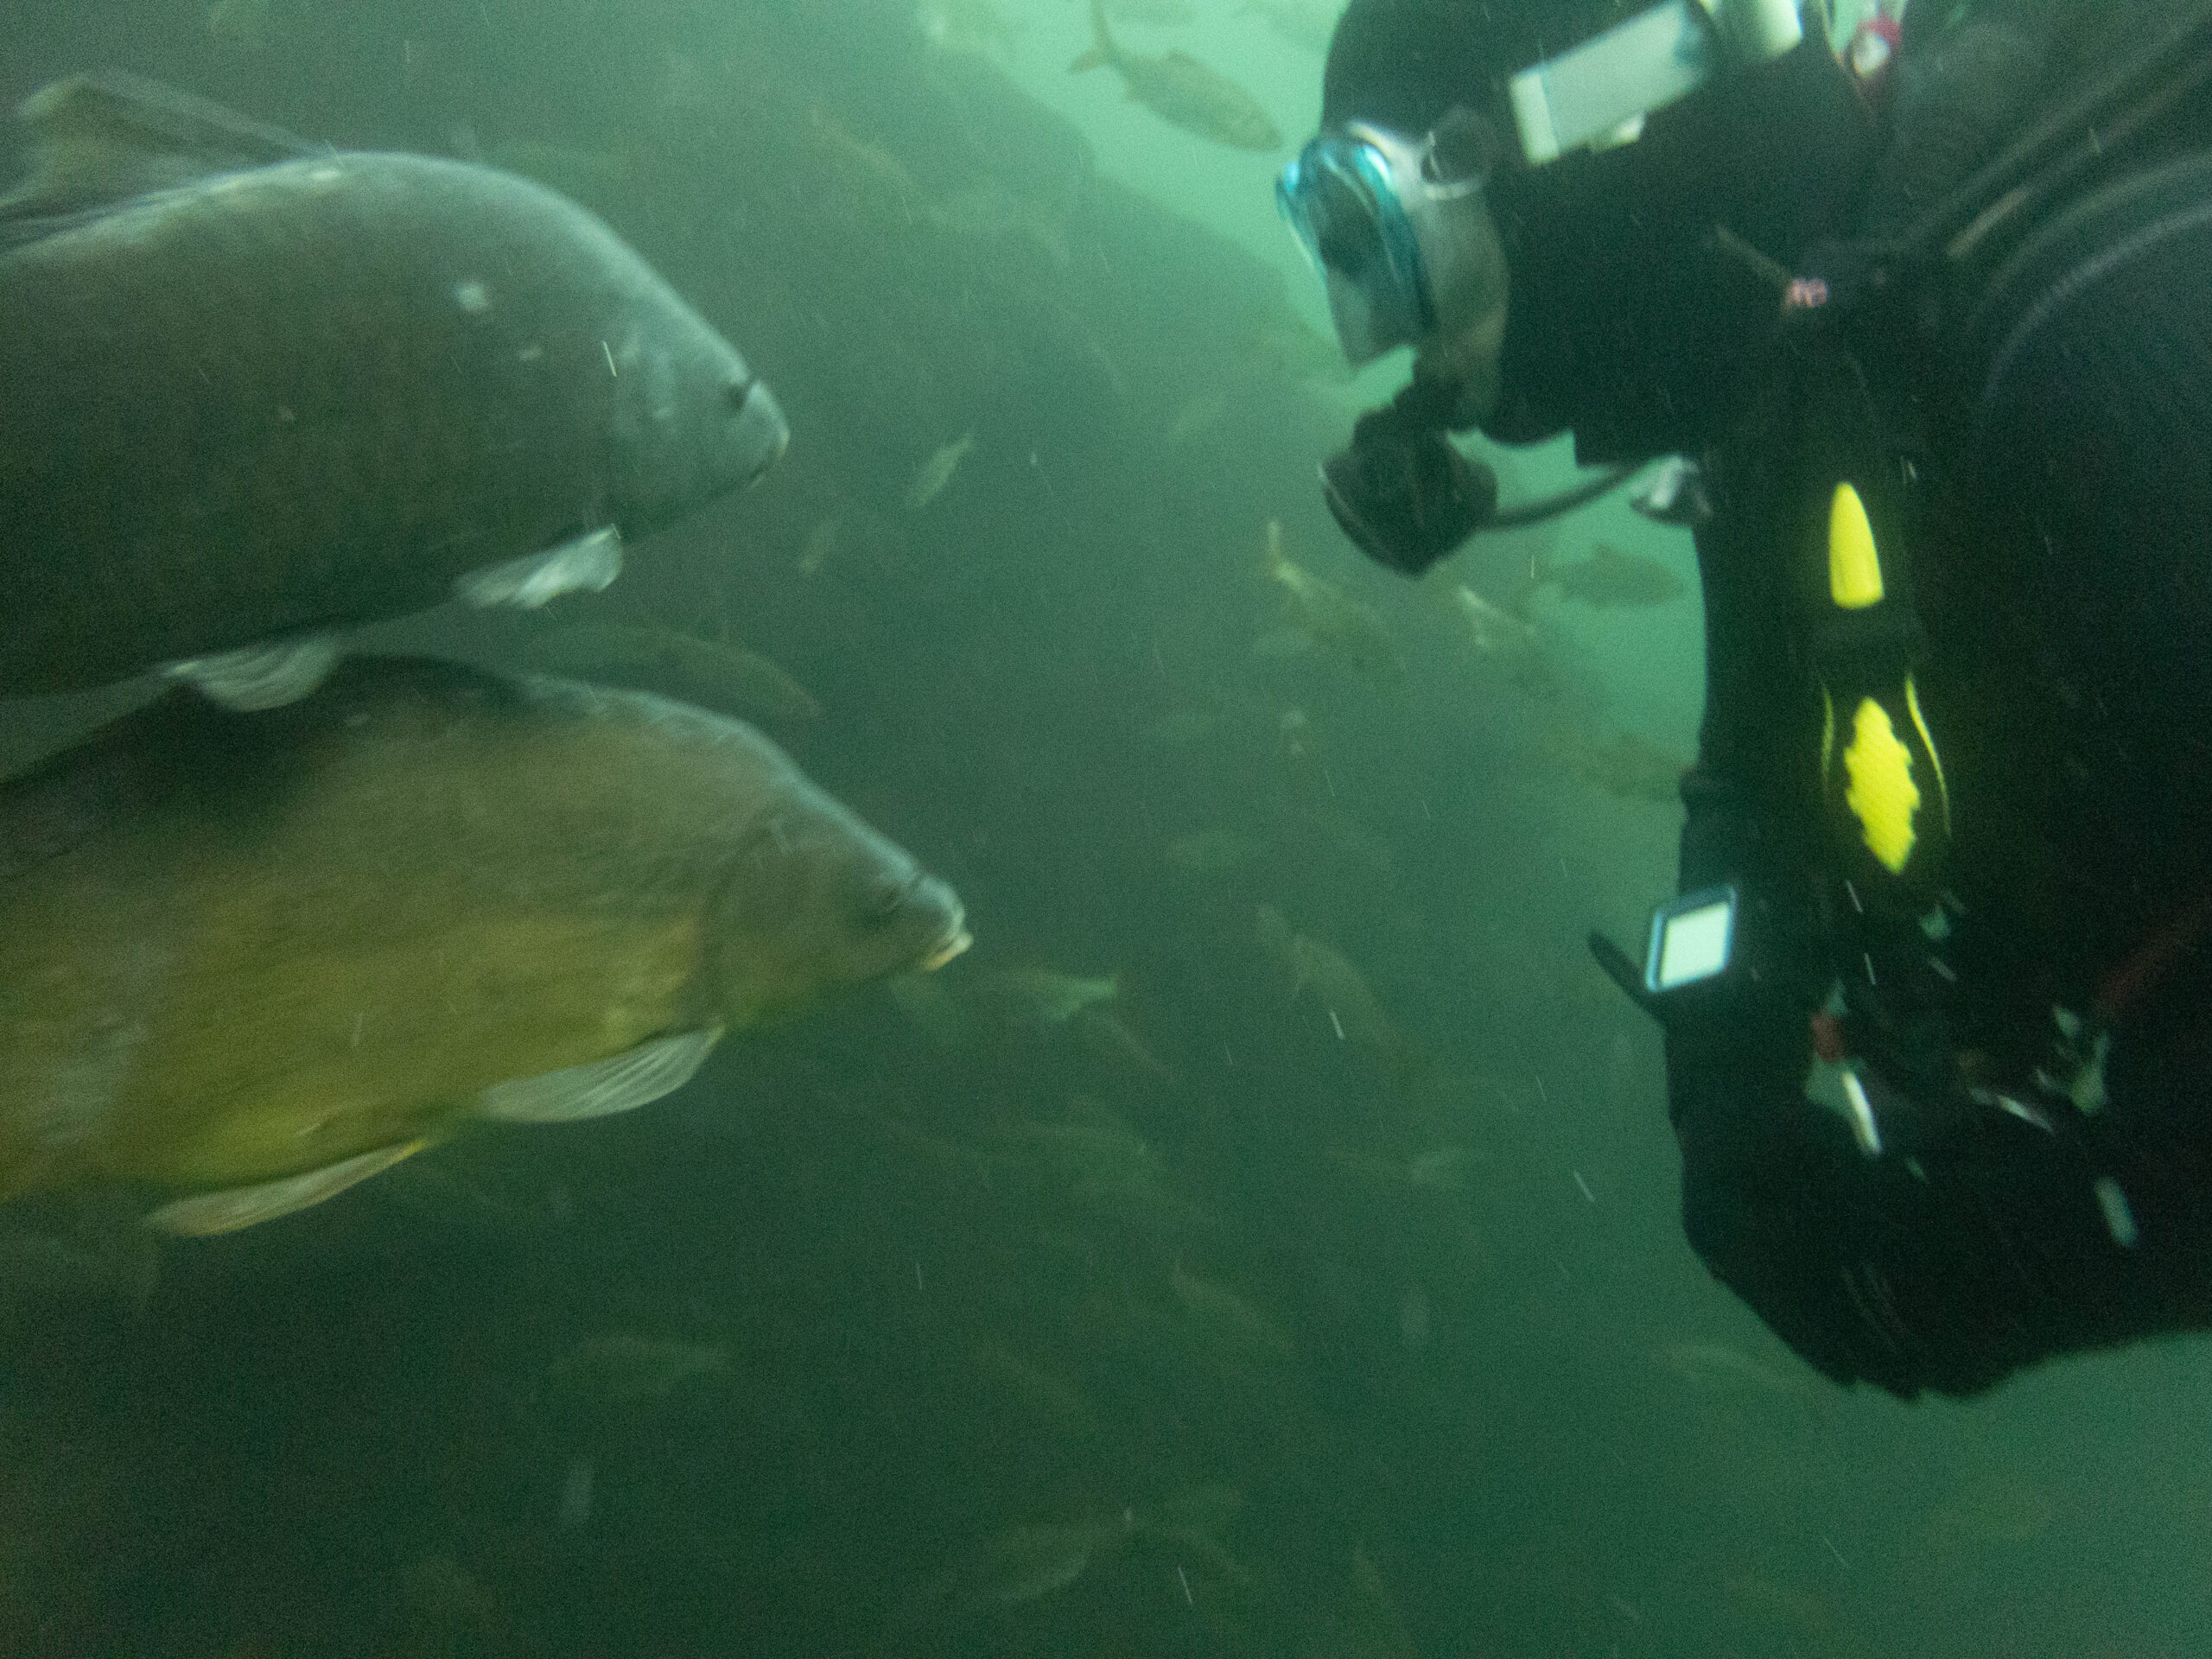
column 1373, row 211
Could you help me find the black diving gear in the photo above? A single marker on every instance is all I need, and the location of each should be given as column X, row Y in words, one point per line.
column 1406, row 496
column 1399, row 490
column 1375, row 208
column 1941, row 1113
column 1616, row 326
column 1996, row 909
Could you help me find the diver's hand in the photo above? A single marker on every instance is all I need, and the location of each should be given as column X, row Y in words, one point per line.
column 1402, row 493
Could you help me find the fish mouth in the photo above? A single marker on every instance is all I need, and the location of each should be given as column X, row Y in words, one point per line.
column 759, row 427
column 956, row 938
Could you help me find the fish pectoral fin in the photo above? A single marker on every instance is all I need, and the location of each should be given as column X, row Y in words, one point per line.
column 601, row 1087
column 587, row 565
column 1091, row 58
column 225, row 1211
column 260, row 676
column 99, row 139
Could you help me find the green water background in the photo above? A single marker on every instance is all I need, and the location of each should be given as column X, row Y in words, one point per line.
column 1382, row 1358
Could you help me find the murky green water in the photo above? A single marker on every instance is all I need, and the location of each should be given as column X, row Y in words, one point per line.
column 1309, row 1284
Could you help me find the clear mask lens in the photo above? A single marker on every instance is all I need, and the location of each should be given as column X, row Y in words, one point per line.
column 1356, row 201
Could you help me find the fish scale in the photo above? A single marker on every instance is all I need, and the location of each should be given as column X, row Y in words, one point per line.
column 255, row 949
column 316, row 392
column 324, row 513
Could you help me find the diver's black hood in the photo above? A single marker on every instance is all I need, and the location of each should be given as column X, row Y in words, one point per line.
column 1402, row 64
column 1624, row 324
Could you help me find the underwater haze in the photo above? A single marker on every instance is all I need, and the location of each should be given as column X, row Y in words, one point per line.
column 1263, row 1240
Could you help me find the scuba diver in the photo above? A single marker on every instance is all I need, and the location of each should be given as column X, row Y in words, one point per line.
column 1929, row 337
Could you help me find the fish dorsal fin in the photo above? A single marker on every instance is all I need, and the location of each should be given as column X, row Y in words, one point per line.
column 601, row 1087
column 226, row 1211
column 103, row 138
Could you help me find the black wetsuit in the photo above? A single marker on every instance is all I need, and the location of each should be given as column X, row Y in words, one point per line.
column 2028, row 1007
column 2044, row 1181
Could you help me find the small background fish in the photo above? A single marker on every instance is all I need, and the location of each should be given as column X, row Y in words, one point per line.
column 1609, row 579
column 1182, row 91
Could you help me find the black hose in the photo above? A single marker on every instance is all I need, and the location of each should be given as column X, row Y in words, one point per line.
column 1550, row 506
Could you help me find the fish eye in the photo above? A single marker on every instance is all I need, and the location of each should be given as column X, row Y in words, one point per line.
column 734, row 392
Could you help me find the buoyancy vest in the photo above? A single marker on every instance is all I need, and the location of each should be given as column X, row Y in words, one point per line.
column 1918, row 505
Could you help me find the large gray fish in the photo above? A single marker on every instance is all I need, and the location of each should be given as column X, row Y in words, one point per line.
column 248, row 960
column 1177, row 88
column 252, row 392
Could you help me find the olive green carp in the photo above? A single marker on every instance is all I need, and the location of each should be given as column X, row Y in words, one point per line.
column 256, row 393
column 246, row 960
